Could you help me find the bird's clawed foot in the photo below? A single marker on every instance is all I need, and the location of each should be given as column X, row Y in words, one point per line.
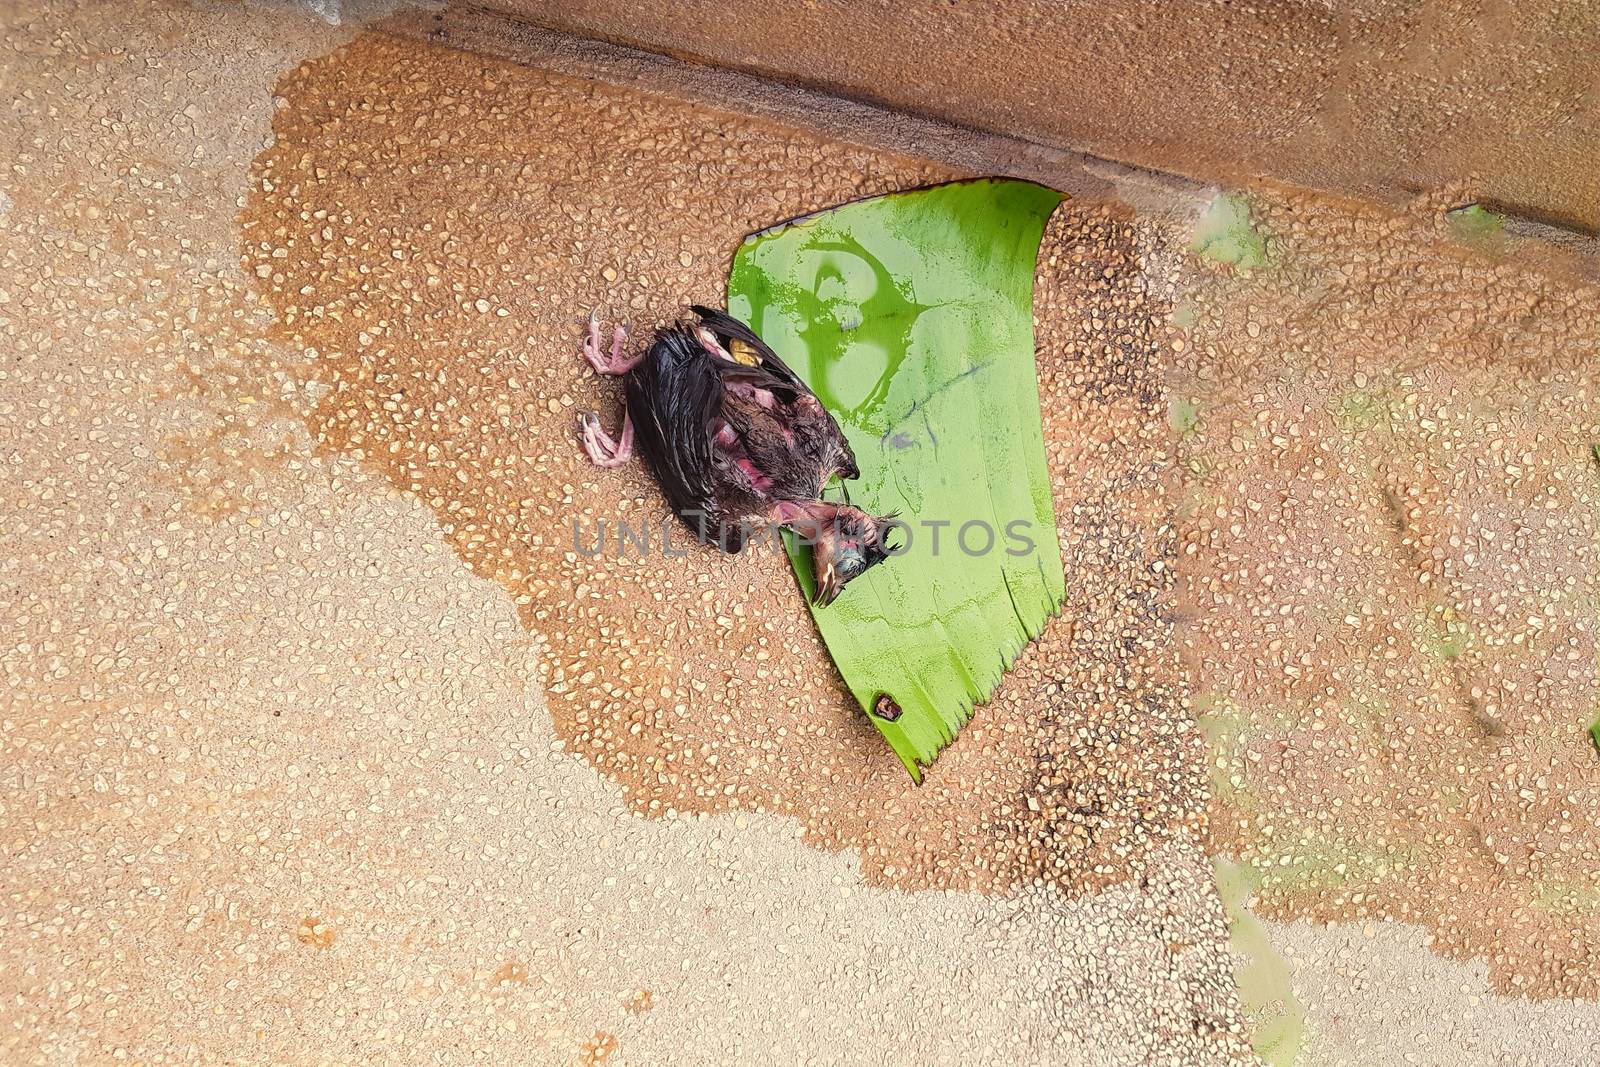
column 613, row 364
column 601, row 448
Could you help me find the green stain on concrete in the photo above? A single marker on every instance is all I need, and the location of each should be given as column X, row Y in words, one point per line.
column 1226, row 235
column 1358, row 411
column 1266, row 988
column 1183, row 414
column 1476, row 225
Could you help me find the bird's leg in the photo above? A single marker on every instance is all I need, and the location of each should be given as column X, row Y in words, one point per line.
column 614, row 364
column 601, row 448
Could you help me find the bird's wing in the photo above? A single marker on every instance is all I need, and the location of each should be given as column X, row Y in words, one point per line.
column 770, row 373
column 675, row 398
column 754, row 360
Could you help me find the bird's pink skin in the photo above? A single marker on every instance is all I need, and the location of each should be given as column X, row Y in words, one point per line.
column 601, row 448
column 614, row 364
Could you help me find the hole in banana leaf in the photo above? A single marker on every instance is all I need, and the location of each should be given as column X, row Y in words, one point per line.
column 911, row 317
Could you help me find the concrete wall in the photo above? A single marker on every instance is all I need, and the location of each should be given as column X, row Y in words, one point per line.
column 1379, row 97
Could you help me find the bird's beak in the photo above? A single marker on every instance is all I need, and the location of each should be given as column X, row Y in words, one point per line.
column 828, row 584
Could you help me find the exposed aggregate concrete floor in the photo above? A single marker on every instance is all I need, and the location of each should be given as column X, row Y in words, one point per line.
column 436, row 290
column 280, row 782
column 1396, row 551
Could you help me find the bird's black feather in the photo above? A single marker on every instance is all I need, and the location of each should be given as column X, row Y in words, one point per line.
column 724, row 439
column 671, row 401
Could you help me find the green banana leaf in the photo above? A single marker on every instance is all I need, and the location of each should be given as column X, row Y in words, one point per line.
column 911, row 317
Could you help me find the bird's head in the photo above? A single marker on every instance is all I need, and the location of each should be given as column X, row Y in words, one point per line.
column 845, row 542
